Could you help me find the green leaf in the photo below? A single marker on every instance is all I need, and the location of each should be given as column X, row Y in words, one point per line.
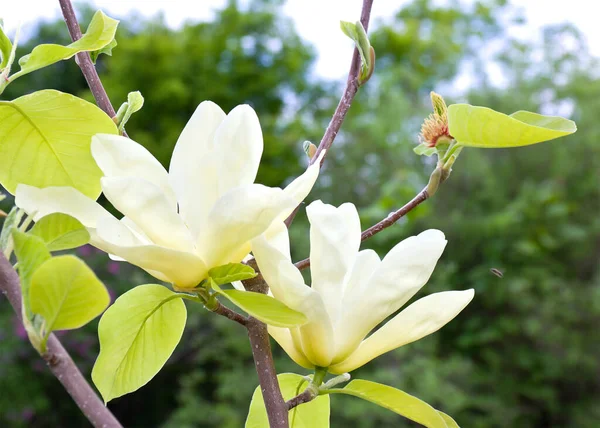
column 231, row 272
column 357, row 33
column 66, row 293
column 264, row 308
column 395, row 400
column 106, row 50
column 61, row 232
column 423, row 150
column 451, row 423
column 45, row 140
column 313, row 414
column 5, row 49
column 138, row 334
column 100, row 33
column 134, row 103
column 483, row 127
column 10, row 223
column 31, row 253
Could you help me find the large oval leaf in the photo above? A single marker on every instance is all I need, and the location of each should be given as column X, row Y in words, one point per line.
column 67, row 293
column 100, row 33
column 309, row 415
column 45, row 140
column 483, row 127
column 138, row 334
column 61, row 232
column 264, row 308
column 395, row 400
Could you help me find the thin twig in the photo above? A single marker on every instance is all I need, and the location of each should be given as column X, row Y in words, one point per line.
column 343, row 106
column 58, row 359
column 421, row 197
column 303, row 397
column 85, row 62
column 231, row 314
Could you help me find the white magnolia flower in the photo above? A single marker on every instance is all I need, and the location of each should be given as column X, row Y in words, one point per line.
column 352, row 292
column 202, row 213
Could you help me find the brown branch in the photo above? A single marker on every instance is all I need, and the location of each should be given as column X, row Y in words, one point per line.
column 343, row 106
column 301, row 398
column 58, row 359
column 421, row 197
column 231, row 314
column 85, row 62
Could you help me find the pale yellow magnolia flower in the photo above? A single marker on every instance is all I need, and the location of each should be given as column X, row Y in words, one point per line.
column 352, row 292
column 179, row 224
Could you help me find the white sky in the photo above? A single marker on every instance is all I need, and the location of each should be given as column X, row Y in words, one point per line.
column 316, row 20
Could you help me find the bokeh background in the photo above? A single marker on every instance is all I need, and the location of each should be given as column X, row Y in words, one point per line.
column 525, row 352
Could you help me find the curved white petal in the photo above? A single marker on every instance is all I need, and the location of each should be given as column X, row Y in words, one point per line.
column 66, row 200
column 119, row 156
column 278, row 237
column 193, row 170
column 239, row 216
column 287, row 285
column 334, row 242
column 348, row 334
column 239, row 147
column 183, row 269
column 146, row 205
column 284, row 338
column 401, row 274
column 425, row 316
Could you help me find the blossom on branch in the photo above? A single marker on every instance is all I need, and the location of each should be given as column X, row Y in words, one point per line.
column 200, row 214
column 353, row 292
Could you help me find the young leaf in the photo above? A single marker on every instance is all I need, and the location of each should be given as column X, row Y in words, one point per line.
column 61, row 232
column 67, row 293
column 450, row 423
column 483, row 127
column 5, row 49
column 315, row 413
column 423, row 150
column 45, row 140
column 138, row 334
column 135, row 101
column 31, row 253
column 106, row 50
column 264, row 308
column 395, row 400
column 99, row 34
column 231, row 272
column 10, row 222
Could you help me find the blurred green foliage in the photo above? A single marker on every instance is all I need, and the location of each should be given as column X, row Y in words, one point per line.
column 525, row 353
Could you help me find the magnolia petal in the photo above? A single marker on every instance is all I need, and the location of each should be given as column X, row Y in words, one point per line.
column 146, row 205
column 299, row 189
column 193, row 170
column 41, row 202
column 287, row 285
column 239, row 216
column 401, row 274
column 284, row 338
column 119, row 156
column 347, row 337
column 278, row 237
column 334, row 242
column 183, row 269
column 239, row 146
column 425, row 316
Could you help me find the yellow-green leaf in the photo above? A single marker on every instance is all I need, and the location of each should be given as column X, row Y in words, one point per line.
column 483, row 127
column 99, row 34
column 67, row 293
column 45, row 140
column 264, row 308
column 31, row 253
column 5, row 48
column 314, row 414
column 451, row 423
column 61, row 232
column 395, row 400
column 11, row 222
column 138, row 334
column 135, row 101
column 231, row 272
